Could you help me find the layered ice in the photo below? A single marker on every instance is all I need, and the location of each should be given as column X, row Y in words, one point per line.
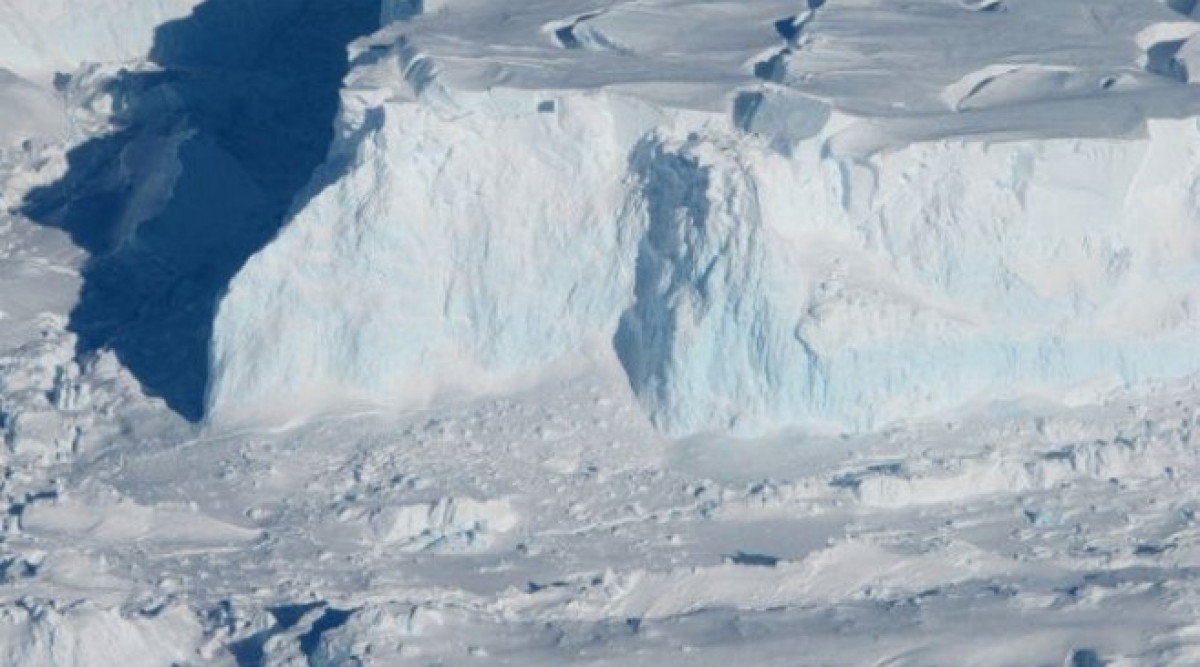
column 766, row 218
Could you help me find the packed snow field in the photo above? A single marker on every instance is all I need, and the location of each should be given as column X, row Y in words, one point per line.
column 610, row 332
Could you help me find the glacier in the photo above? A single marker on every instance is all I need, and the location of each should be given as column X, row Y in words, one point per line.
column 760, row 247
column 715, row 217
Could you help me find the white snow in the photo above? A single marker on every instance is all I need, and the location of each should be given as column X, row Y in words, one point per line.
column 41, row 37
column 30, row 111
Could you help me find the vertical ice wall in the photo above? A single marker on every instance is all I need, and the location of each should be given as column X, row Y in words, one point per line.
column 776, row 292
column 703, row 338
column 748, row 273
column 743, row 289
column 450, row 255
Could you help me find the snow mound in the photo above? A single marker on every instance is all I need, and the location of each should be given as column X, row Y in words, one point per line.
column 761, row 247
column 99, row 522
column 841, row 571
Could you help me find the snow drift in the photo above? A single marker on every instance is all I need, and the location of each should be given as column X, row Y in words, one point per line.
column 760, row 247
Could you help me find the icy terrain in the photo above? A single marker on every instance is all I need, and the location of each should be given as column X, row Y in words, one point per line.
column 543, row 332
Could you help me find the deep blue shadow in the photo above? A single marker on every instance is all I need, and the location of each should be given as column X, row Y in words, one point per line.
column 201, row 172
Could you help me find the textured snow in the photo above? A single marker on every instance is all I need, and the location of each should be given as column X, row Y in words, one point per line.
column 39, row 635
column 801, row 255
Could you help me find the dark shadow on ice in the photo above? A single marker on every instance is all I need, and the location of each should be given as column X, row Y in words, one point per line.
column 753, row 559
column 251, row 651
column 204, row 165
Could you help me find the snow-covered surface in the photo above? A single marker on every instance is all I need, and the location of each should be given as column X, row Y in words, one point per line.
column 938, row 257
column 28, row 110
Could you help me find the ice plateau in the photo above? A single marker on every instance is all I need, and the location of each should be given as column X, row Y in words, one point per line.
column 774, row 219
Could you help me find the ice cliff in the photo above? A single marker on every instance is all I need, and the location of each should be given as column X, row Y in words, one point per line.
column 773, row 221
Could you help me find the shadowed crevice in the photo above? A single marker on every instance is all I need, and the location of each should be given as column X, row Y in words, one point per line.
column 207, row 159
